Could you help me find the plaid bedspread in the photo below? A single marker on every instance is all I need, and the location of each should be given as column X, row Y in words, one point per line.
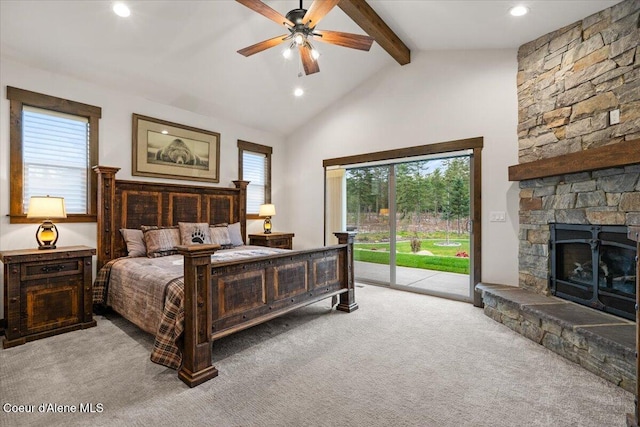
column 149, row 292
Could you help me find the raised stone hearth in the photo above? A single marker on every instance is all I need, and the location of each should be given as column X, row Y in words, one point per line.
column 601, row 343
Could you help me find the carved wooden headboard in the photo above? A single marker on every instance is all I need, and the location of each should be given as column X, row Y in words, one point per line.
column 130, row 204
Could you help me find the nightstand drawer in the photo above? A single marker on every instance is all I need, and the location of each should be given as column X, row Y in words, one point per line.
column 280, row 243
column 272, row 240
column 41, row 270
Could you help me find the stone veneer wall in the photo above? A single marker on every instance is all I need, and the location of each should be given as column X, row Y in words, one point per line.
column 568, row 82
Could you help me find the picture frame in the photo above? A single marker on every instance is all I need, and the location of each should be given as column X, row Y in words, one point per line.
column 164, row 149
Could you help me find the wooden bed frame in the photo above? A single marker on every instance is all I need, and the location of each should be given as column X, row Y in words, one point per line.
column 226, row 297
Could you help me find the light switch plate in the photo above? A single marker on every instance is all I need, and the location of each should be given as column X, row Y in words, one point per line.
column 497, row 216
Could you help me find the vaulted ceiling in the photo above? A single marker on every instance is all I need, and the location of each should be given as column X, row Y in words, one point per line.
column 183, row 53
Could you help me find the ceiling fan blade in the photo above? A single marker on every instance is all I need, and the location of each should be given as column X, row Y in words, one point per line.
column 354, row 41
column 310, row 65
column 263, row 45
column 317, row 11
column 264, row 10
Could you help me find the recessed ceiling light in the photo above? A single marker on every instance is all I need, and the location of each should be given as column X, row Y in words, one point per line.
column 298, row 91
column 164, row 132
column 519, row 10
column 121, row 9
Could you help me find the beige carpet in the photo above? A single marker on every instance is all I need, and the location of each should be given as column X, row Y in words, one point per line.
column 402, row 359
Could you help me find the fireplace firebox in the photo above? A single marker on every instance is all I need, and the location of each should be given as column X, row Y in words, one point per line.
column 594, row 265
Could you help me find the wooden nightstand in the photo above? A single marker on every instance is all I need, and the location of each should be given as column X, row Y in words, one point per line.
column 46, row 292
column 272, row 240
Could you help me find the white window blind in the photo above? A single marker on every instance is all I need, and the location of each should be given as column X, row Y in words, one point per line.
column 254, row 167
column 55, row 157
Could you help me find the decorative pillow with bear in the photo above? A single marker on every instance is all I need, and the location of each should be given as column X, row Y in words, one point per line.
column 220, row 235
column 135, row 242
column 161, row 241
column 194, row 233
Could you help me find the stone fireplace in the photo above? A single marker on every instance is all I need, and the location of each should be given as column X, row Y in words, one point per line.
column 577, row 164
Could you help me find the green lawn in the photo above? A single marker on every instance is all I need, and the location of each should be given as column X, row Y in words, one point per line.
column 443, row 258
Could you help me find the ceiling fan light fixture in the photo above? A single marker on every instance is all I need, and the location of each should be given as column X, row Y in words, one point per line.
column 287, row 53
column 314, row 53
column 519, row 10
column 298, row 38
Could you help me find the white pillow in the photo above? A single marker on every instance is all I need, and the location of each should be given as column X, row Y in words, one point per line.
column 235, row 234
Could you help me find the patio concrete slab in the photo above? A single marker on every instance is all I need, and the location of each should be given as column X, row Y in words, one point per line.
column 417, row 278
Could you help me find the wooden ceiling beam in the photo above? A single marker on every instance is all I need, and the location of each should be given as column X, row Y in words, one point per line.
column 367, row 18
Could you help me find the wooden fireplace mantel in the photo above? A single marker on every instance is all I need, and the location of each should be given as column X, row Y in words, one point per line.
column 609, row 156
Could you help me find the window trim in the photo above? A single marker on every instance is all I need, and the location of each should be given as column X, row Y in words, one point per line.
column 17, row 99
column 261, row 149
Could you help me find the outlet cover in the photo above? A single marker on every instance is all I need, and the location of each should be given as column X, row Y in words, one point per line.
column 614, row 117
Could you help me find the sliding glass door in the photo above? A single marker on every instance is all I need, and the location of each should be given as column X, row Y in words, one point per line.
column 368, row 213
column 414, row 221
column 432, row 200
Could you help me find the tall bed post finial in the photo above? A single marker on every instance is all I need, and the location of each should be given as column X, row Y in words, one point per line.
column 242, row 209
column 105, row 205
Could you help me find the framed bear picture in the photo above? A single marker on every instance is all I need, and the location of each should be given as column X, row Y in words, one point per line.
column 169, row 150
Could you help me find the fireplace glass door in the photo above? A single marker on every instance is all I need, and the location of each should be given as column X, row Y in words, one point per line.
column 594, row 266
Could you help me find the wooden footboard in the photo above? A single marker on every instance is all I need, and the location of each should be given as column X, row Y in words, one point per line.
column 232, row 296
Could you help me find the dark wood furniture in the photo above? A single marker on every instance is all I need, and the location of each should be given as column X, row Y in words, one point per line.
column 46, row 292
column 634, row 419
column 226, row 297
column 272, row 240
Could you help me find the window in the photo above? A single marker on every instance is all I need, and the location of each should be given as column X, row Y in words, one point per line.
column 54, row 144
column 254, row 165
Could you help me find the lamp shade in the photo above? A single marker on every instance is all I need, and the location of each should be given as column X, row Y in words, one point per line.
column 46, row 207
column 267, row 210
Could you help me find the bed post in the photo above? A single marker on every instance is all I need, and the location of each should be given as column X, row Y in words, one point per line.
column 196, row 358
column 348, row 299
column 242, row 209
column 105, row 206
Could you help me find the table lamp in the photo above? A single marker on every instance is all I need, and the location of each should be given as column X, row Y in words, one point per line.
column 46, row 207
column 267, row 211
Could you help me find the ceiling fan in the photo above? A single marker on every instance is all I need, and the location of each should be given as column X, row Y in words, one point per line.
column 301, row 24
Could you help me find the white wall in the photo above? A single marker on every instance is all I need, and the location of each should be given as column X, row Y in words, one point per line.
column 440, row 96
column 115, row 146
